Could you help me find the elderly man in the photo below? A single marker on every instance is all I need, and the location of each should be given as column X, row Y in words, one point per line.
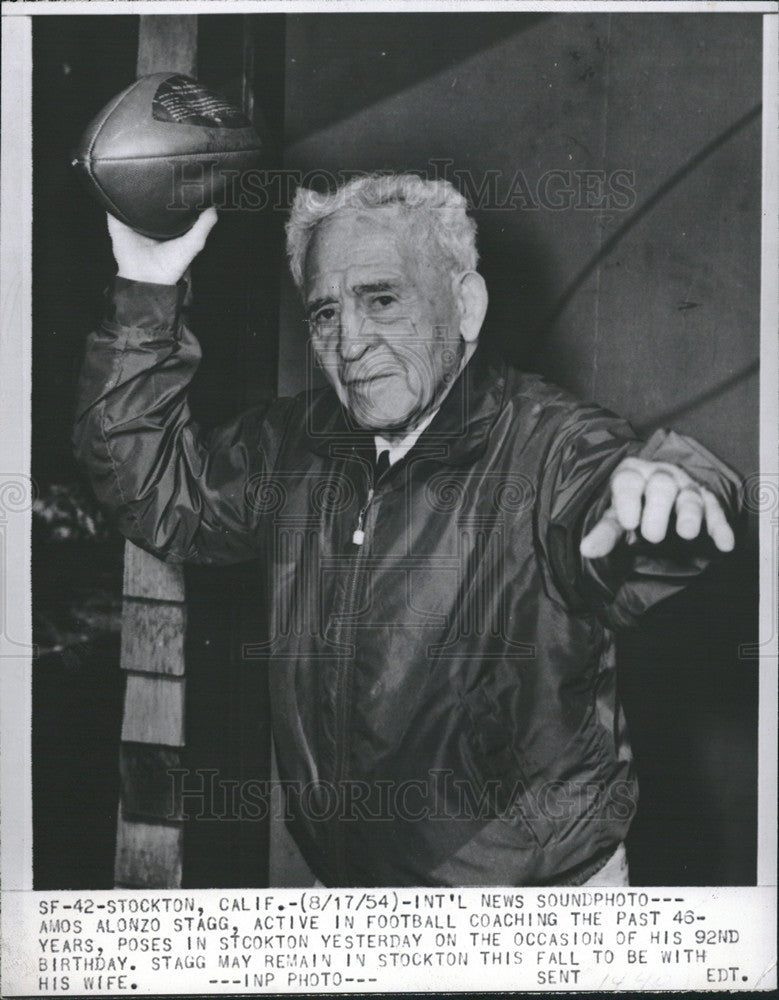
column 449, row 542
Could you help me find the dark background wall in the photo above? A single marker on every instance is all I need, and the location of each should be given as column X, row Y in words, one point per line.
column 670, row 309
column 643, row 298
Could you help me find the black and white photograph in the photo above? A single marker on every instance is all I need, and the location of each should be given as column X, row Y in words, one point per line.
column 397, row 485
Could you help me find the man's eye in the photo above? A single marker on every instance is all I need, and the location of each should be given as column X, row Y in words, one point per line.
column 382, row 301
column 324, row 316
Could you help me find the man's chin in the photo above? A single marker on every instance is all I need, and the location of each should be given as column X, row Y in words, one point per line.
column 370, row 415
column 386, row 425
column 383, row 420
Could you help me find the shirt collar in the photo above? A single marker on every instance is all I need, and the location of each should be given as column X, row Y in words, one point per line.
column 400, row 448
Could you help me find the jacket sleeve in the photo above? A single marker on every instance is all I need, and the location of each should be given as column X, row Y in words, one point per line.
column 575, row 492
column 182, row 495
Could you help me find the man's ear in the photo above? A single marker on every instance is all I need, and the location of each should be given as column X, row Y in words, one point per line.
column 470, row 293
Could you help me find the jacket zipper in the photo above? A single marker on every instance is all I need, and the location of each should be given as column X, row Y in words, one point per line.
column 359, row 532
column 345, row 667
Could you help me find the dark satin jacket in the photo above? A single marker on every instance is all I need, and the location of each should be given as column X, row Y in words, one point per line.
column 443, row 694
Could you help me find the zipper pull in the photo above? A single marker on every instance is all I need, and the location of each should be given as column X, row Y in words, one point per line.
column 359, row 534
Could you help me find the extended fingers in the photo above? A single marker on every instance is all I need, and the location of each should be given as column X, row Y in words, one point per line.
column 659, row 495
column 689, row 512
column 644, row 495
column 716, row 522
column 692, row 504
column 627, row 492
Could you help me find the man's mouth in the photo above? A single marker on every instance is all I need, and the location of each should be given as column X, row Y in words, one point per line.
column 356, row 383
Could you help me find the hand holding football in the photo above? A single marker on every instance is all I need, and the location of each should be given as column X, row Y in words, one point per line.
column 162, row 151
column 161, row 262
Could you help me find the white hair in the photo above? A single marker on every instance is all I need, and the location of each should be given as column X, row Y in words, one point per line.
column 436, row 203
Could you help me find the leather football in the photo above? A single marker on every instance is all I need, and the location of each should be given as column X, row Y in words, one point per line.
column 164, row 150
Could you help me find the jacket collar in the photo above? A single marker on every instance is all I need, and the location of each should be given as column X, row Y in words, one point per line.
column 457, row 435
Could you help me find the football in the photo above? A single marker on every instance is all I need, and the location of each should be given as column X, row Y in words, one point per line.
column 164, row 150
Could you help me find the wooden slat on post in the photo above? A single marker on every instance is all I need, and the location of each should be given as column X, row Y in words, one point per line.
column 149, row 829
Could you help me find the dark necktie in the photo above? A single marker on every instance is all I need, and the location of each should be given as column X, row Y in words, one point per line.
column 381, row 465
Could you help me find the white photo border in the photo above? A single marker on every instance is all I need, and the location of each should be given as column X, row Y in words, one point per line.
column 16, row 858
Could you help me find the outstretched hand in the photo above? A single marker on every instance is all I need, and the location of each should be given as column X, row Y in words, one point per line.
column 643, row 496
column 161, row 262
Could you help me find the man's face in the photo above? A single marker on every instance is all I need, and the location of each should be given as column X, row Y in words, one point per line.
column 383, row 318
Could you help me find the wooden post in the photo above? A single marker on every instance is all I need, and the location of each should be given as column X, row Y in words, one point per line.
column 149, row 829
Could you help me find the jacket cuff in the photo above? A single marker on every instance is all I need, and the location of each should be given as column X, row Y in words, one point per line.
column 700, row 464
column 144, row 305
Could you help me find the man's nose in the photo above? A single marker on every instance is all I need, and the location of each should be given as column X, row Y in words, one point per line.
column 355, row 334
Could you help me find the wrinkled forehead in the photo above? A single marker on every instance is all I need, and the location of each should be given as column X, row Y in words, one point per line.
column 382, row 237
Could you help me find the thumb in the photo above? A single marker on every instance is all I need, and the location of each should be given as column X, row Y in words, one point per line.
column 603, row 537
column 196, row 237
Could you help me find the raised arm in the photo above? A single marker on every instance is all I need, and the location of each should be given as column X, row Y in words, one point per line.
column 172, row 490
